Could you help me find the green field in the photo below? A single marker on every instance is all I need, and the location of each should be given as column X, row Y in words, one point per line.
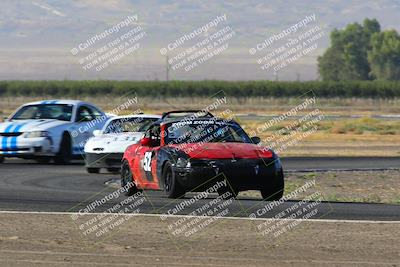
column 244, row 89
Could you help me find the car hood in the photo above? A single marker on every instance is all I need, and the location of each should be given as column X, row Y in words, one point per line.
column 224, row 150
column 108, row 143
column 30, row 125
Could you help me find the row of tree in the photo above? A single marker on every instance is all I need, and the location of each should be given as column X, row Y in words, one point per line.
column 361, row 52
column 243, row 89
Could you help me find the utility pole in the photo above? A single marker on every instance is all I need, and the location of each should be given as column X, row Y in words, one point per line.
column 167, row 67
column 276, row 76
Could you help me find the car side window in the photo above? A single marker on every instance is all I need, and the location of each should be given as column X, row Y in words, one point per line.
column 154, row 133
column 84, row 114
column 95, row 112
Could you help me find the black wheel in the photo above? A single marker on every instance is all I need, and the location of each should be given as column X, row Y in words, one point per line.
column 64, row 154
column 127, row 178
column 1, row 159
column 228, row 192
column 43, row 159
column 93, row 170
column 274, row 191
column 113, row 170
column 172, row 188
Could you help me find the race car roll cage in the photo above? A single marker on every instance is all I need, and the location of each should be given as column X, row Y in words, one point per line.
column 152, row 136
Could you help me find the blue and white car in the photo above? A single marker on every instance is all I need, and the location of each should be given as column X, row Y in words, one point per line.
column 106, row 148
column 51, row 129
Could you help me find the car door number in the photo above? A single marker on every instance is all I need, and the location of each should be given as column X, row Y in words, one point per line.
column 147, row 161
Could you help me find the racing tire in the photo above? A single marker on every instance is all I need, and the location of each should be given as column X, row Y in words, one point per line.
column 1, row 159
column 172, row 188
column 93, row 170
column 127, row 177
column 64, row 154
column 43, row 160
column 274, row 191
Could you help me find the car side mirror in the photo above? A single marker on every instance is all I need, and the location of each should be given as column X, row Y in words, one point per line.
column 96, row 132
column 256, row 140
column 146, row 141
column 5, row 119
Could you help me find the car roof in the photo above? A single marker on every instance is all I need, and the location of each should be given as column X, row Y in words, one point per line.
column 58, row 101
column 189, row 113
column 151, row 116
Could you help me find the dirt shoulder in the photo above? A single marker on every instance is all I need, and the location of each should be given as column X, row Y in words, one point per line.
column 54, row 240
column 346, row 186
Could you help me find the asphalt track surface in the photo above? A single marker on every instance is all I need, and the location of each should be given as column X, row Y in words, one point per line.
column 28, row 186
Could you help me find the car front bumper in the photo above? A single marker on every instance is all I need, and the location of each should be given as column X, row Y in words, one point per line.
column 242, row 174
column 103, row 160
column 26, row 147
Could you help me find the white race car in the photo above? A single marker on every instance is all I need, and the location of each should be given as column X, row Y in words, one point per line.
column 106, row 149
column 51, row 129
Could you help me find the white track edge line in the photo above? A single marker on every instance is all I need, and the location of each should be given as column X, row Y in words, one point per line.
column 180, row 216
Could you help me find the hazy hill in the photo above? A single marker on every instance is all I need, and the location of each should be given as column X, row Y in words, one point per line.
column 36, row 36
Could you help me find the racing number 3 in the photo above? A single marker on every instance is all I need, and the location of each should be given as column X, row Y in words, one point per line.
column 147, row 161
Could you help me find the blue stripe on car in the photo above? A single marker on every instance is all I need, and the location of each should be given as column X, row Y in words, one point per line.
column 13, row 143
column 5, row 138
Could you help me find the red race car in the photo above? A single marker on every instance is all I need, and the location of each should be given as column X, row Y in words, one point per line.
column 182, row 153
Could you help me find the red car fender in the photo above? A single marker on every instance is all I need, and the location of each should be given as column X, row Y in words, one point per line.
column 133, row 155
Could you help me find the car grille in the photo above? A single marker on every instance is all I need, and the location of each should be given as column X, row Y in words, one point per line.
column 231, row 163
column 113, row 159
column 14, row 149
column 10, row 134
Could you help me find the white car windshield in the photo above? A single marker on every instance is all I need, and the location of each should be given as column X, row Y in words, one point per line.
column 44, row 111
column 122, row 125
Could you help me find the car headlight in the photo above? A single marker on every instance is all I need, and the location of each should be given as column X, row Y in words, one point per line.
column 36, row 134
column 183, row 163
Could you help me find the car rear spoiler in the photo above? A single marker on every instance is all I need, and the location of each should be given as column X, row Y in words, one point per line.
column 206, row 113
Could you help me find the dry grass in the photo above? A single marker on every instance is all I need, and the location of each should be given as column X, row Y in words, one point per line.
column 260, row 106
column 351, row 137
column 359, row 186
column 357, row 137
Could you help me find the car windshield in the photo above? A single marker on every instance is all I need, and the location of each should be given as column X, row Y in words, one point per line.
column 44, row 111
column 207, row 131
column 124, row 125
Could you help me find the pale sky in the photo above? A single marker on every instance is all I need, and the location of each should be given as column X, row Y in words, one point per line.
column 37, row 37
